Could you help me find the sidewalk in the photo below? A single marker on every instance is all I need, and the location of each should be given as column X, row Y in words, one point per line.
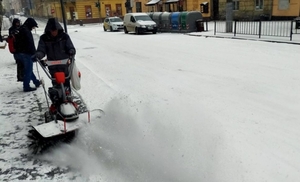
column 274, row 39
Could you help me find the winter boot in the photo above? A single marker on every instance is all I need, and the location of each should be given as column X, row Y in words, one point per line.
column 29, row 89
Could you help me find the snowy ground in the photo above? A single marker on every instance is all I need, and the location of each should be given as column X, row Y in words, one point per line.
column 177, row 108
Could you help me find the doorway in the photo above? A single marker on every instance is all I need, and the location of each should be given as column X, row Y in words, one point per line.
column 107, row 10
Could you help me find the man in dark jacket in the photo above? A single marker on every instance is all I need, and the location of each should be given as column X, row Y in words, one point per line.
column 56, row 45
column 12, row 31
column 25, row 51
column 15, row 26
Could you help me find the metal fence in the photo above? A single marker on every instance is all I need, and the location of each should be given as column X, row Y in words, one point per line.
column 259, row 28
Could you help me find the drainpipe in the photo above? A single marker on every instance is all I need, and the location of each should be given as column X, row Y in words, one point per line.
column 271, row 14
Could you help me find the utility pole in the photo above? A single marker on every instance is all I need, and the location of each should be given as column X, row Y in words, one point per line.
column 1, row 18
column 229, row 15
column 63, row 15
column 98, row 5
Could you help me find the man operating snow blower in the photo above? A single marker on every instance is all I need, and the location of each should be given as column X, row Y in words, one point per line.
column 56, row 45
column 64, row 116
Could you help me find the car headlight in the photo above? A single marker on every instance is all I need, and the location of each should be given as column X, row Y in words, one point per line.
column 143, row 26
column 154, row 25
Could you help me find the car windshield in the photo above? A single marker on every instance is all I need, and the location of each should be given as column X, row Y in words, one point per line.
column 116, row 20
column 143, row 17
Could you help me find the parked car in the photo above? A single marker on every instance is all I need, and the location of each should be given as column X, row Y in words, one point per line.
column 113, row 24
column 139, row 23
column 21, row 13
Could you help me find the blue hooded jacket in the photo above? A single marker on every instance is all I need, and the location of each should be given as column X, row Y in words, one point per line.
column 25, row 42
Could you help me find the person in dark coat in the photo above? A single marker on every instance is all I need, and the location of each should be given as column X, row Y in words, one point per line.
column 25, row 52
column 15, row 26
column 56, row 45
column 14, row 29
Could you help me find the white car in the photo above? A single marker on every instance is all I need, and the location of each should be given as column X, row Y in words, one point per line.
column 113, row 24
column 139, row 23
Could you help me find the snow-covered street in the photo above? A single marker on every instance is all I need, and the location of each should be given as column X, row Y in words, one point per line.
column 177, row 108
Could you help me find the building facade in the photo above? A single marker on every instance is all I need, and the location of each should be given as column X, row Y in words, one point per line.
column 93, row 11
column 286, row 9
column 248, row 9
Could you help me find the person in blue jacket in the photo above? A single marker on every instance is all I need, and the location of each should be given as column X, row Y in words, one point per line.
column 25, row 52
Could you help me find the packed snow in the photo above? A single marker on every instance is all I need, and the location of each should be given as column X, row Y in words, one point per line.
column 177, row 108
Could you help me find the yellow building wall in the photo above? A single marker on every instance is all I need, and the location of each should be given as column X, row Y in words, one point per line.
column 56, row 6
column 80, row 9
column 293, row 10
column 247, row 8
column 197, row 8
column 194, row 5
column 80, row 5
column 188, row 5
column 57, row 11
column 144, row 7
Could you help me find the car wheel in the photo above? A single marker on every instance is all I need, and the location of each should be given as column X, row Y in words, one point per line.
column 125, row 30
column 154, row 32
column 137, row 30
column 104, row 28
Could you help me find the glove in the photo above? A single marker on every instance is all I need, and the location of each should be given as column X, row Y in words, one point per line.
column 43, row 63
column 33, row 58
column 39, row 55
column 72, row 52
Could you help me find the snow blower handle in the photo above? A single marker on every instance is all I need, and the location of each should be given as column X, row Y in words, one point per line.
column 43, row 65
column 50, row 63
column 71, row 63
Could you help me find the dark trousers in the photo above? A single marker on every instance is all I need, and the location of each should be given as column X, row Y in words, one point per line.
column 20, row 69
column 27, row 61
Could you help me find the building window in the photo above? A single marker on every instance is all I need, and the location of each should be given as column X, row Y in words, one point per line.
column 283, row 4
column 119, row 10
column 138, row 6
column 259, row 4
column 88, row 12
column 236, row 4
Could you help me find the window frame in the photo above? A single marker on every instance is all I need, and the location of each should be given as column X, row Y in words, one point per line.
column 118, row 10
column 88, row 10
column 236, row 5
column 138, row 6
column 259, row 4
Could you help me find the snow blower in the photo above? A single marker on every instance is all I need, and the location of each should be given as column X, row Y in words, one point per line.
column 66, row 114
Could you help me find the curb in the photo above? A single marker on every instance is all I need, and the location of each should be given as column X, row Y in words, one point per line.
column 241, row 38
